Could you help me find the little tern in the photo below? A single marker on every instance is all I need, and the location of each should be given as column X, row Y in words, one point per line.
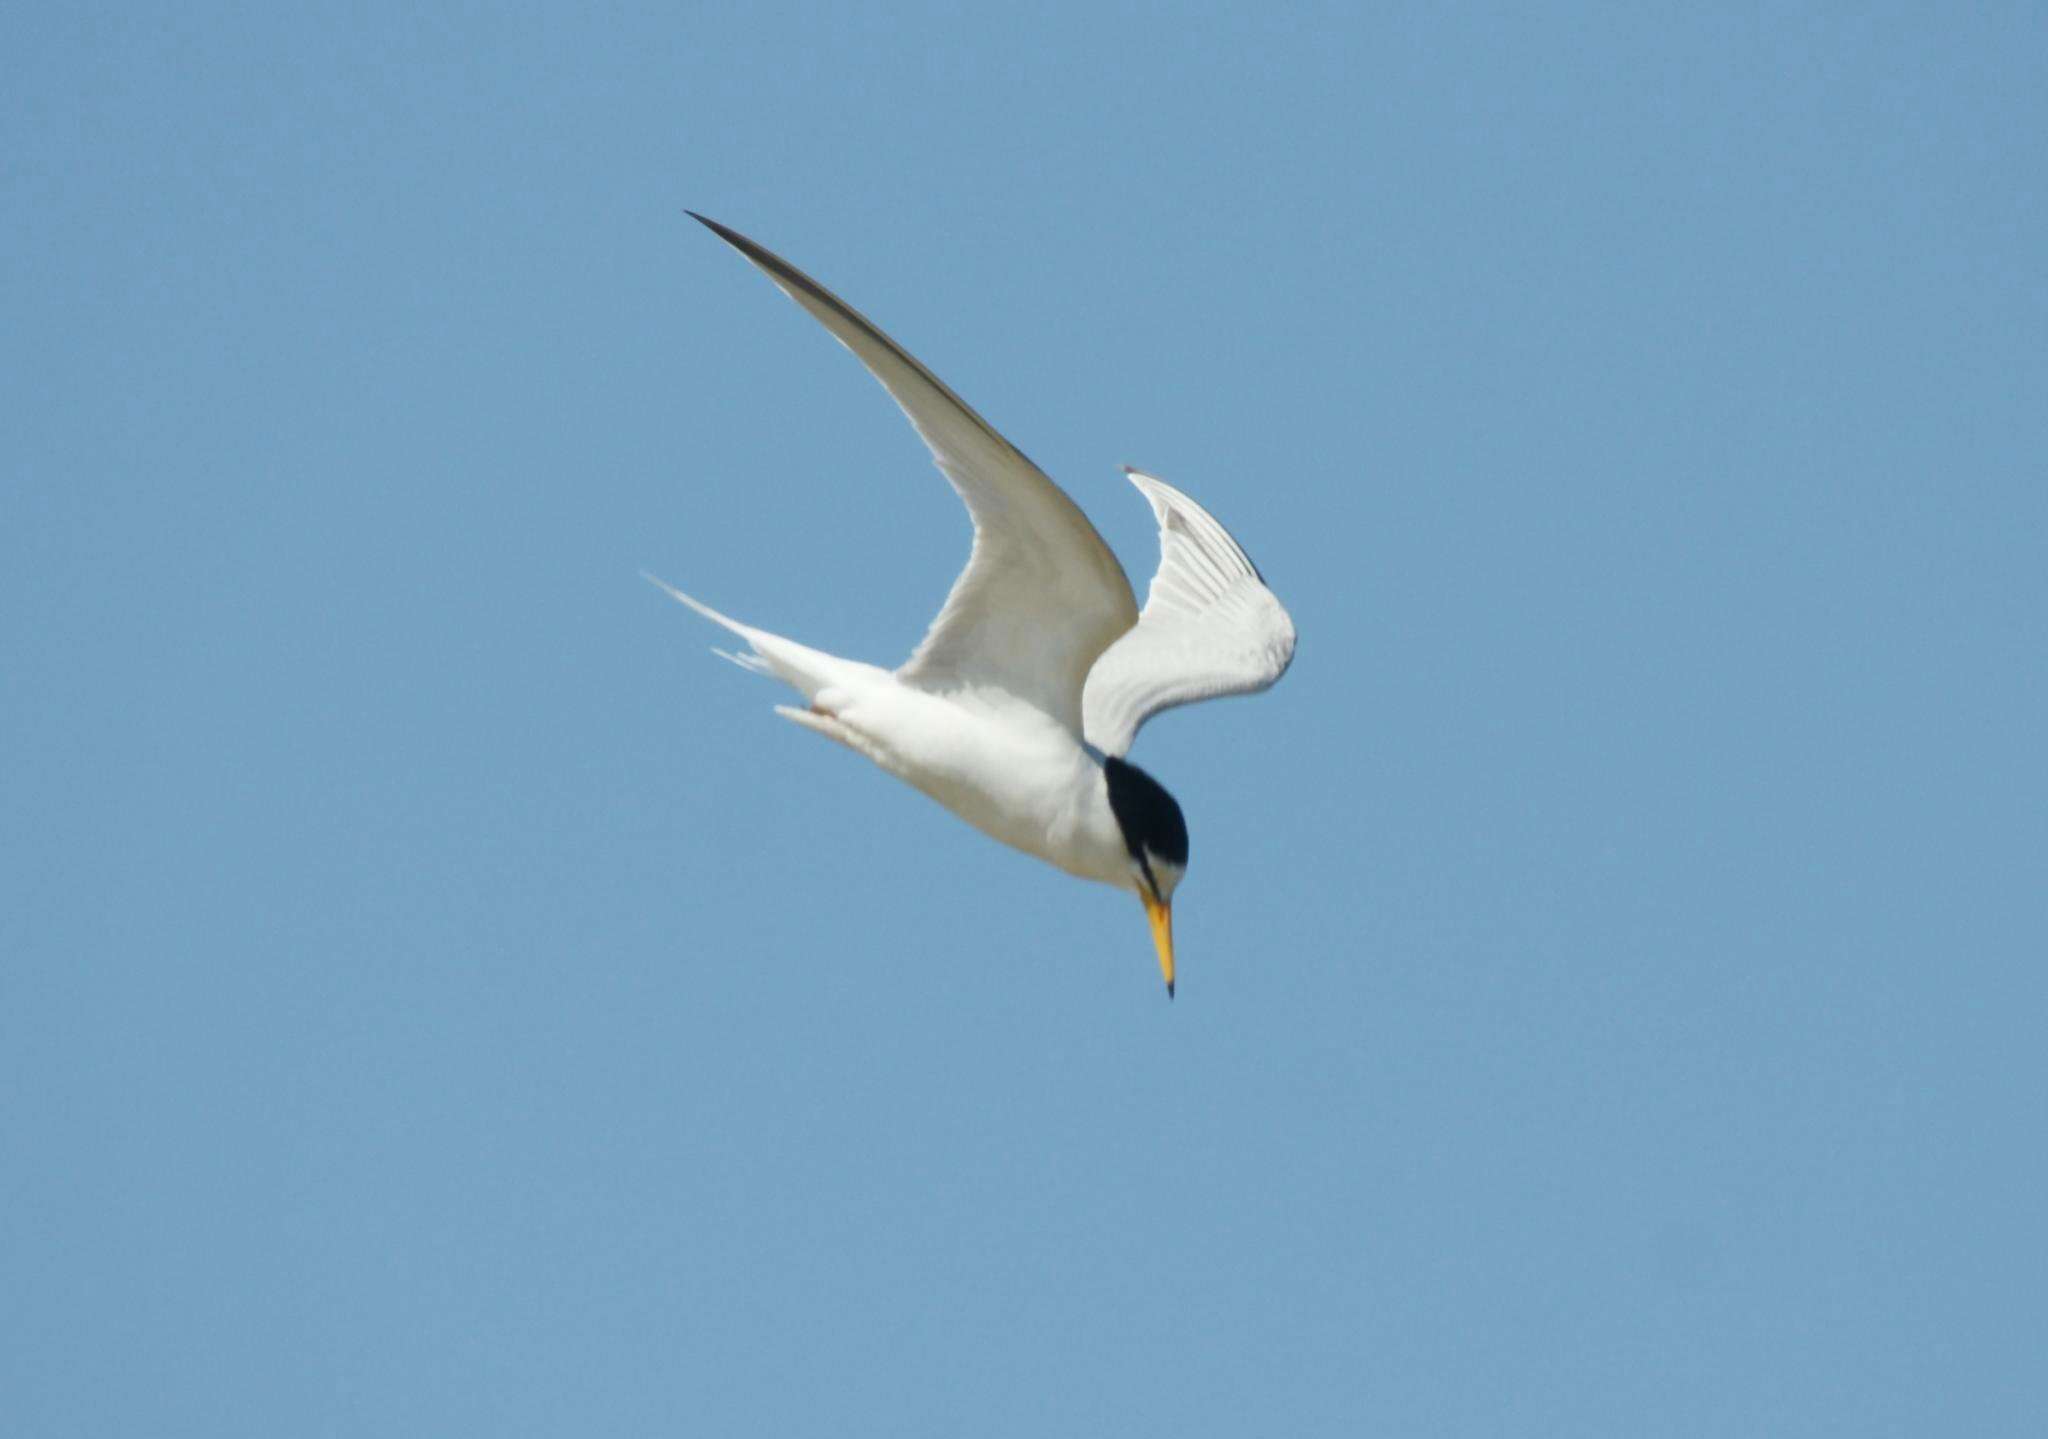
column 1016, row 710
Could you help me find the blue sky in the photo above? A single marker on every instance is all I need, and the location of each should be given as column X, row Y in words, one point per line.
column 438, row 997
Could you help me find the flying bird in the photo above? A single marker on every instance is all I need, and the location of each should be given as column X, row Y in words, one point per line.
column 1016, row 710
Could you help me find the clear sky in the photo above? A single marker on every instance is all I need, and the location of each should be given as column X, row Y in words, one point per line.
column 438, row 997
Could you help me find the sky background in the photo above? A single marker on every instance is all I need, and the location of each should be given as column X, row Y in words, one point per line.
column 438, row 997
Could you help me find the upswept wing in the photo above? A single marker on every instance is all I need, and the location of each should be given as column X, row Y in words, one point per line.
column 1042, row 596
column 1210, row 627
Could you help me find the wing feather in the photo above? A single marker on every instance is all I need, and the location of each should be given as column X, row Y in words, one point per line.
column 1210, row 627
column 1042, row 596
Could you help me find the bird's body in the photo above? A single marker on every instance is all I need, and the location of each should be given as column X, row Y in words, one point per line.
column 1014, row 773
column 1006, row 767
column 1015, row 711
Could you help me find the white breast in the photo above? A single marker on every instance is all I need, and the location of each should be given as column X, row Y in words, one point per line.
column 1010, row 770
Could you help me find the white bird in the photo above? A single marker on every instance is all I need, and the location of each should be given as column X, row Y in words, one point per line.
column 1017, row 708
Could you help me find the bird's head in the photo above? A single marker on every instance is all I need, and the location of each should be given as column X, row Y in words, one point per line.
column 1157, row 837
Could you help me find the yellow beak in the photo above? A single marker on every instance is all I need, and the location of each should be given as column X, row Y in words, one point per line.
column 1161, row 916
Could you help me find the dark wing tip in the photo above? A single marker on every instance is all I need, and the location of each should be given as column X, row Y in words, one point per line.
column 784, row 273
column 726, row 233
column 760, row 254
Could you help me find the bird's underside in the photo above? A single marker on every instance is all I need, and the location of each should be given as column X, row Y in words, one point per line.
column 1009, row 769
column 1015, row 710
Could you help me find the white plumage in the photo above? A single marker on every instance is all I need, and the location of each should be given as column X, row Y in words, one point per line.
column 1016, row 709
column 1210, row 627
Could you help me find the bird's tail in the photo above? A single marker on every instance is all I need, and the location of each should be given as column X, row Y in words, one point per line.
column 803, row 669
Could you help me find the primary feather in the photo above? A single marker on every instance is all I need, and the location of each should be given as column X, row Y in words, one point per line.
column 1042, row 595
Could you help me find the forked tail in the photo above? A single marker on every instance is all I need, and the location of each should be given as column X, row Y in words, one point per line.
column 803, row 669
